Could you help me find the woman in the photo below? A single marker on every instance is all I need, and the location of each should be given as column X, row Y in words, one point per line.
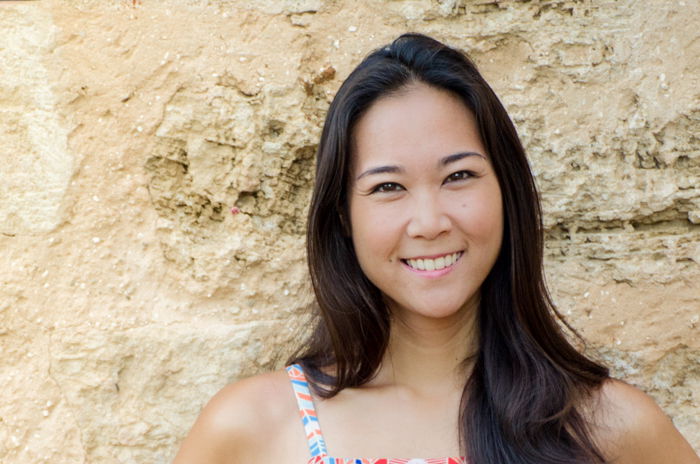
column 436, row 336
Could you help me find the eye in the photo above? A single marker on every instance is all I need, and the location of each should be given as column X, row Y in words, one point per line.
column 387, row 187
column 459, row 175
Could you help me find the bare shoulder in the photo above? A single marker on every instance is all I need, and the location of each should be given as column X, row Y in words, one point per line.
column 632, row 428
column 239, row 422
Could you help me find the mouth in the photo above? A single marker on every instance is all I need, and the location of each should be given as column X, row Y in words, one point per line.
column 433, row 264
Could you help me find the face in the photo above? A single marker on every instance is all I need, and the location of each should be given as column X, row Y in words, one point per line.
column 425, row 205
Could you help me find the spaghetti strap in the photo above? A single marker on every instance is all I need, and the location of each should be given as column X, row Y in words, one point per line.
column 307, row 411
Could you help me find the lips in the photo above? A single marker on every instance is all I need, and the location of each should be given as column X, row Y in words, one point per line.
column 433, row 264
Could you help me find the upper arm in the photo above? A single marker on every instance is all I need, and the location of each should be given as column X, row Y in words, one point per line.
column 636, row 431
column 237, row 422
column 219, row 431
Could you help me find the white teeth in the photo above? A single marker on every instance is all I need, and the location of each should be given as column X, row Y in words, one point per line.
column 434, row 264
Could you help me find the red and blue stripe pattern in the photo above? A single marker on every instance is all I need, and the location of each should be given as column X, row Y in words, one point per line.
column 317, row 445
column 329, row 460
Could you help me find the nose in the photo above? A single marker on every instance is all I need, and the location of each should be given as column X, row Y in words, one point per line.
column 428, row 218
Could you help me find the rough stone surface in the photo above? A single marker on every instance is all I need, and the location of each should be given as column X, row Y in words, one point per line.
column 130, row 131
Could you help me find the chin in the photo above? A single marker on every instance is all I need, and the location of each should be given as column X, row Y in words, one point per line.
column 437, row 311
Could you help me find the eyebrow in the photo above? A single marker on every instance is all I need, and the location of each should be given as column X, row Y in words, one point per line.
column 442, row 162
column 458, row 156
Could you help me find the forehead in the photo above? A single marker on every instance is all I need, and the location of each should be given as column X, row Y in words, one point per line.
column 418, row 123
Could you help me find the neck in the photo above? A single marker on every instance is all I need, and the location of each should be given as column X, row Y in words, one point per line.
column 427, row 355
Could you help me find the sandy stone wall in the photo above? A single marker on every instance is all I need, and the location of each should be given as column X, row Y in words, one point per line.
column 130, row 129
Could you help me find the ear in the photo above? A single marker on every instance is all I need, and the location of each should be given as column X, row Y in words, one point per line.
column 347, row 232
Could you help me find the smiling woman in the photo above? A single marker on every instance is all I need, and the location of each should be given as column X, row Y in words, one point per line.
column 435, row 334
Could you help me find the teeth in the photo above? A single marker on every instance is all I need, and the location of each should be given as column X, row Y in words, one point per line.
column 434, row 264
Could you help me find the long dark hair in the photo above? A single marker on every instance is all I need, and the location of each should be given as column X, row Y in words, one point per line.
column 523, row 400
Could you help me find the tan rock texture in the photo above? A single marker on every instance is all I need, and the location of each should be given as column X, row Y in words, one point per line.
column 129, row 130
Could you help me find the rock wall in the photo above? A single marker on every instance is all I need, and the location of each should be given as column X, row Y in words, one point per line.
column 129, row 130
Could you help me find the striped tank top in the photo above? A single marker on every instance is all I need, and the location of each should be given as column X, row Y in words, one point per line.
column 317, row 445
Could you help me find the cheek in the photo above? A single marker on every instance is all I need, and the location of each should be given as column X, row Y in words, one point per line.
column 482, row 217
column 362, row 227
column 375, row 231
column 481, row 220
